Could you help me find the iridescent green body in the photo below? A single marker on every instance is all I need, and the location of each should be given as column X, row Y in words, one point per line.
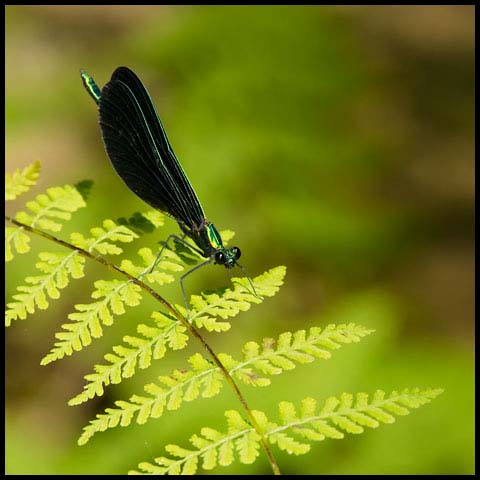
column 215, row 244
column 90, row 86
column 214, row 237
column 209, row 241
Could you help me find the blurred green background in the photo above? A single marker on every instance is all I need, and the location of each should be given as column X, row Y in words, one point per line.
column 337, row 141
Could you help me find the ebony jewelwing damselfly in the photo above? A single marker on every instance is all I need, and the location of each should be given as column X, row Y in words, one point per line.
column 141, row 154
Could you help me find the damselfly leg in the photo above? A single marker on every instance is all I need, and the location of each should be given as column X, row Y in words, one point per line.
column 182, row 278
column 250, row 281
column 165, row 244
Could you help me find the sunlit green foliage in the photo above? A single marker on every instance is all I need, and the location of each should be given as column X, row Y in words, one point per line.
column 170, row 331
column 56, row 268
column 58, row 203
column 21, row 180
column 205, row 379
column 292, row 433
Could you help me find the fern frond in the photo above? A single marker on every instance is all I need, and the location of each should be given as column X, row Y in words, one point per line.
column 181, row 385
column 114, row 296
column 88, row 319
column 152, row 343
column 57, row 203
column 56, row 269
column 275, row 357
column 96, row 382
column 17, row 238
column 338, row 415
column 102, row 238
column 155, row 217
column 21, row 180
column 205, row 379
column 345, row 414
column 205, row 307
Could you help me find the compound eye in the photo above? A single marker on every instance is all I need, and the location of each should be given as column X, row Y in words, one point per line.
column 236, row 251
column 219, row 257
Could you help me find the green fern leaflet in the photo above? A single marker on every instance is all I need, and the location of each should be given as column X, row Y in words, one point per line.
column 292, row 433
column 205, row 379
column 21, row 180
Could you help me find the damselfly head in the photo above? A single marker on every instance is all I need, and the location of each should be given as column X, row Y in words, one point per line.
column 228, row 256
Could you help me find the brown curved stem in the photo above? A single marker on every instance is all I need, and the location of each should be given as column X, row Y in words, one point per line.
column 178, row 316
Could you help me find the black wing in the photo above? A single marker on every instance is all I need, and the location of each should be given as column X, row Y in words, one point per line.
column 140, row 151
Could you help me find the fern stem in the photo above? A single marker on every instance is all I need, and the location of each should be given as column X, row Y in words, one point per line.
column 178, row 316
